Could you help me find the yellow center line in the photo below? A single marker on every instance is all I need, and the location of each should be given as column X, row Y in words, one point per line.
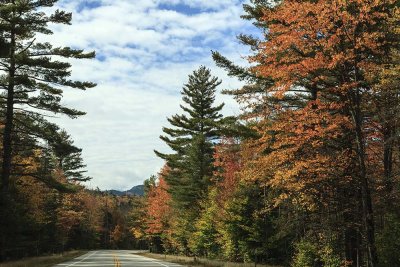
column 117, row 263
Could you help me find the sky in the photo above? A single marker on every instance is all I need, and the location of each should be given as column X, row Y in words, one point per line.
column 145, row 50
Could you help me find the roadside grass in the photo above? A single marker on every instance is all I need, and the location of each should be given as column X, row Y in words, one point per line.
column 191, row 261
column 44, row 261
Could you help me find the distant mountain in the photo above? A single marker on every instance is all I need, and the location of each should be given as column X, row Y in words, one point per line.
column 137, row 190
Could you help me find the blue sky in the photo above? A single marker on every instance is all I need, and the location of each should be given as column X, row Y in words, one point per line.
column 145, row 51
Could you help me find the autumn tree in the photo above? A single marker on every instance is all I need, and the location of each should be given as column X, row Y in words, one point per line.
column 158, row 212
column 136, row 222
column 69, row 216
column 310, row 95
column 227, row 163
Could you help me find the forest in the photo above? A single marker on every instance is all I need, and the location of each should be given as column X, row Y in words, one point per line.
column 307, row 175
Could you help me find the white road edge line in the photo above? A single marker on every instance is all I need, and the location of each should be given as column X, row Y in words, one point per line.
column 72, row 264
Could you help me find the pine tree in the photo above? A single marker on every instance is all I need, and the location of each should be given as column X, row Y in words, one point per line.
column 69, row 157
column 191, row 138
column 32, row 81
column 32, row 77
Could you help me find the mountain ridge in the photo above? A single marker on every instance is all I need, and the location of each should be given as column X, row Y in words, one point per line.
column 137, row 190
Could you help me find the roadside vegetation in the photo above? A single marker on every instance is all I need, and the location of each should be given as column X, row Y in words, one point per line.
column 43, row 206
column 313, row 177
column 44, row 261
column 195, row 261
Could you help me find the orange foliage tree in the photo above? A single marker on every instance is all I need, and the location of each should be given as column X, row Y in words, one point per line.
column 158, row 209
column 227, row 162
column 310, row 102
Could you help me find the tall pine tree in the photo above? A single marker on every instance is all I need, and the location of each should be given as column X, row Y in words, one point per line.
column 32, row 77
column 191, row 139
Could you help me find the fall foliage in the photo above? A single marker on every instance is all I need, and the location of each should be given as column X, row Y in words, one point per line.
column 319, row 173
column 308, row 174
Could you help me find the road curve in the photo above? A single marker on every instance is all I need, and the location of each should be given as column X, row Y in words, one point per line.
column 116, row 258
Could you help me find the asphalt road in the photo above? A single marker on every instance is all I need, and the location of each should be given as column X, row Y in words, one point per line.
column 116, row 258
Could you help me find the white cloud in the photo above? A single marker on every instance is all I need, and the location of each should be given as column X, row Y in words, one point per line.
column 144, row 57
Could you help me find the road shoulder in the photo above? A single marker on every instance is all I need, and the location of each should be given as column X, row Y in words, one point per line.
column 44, row 261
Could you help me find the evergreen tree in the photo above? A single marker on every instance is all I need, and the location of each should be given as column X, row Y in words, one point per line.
column 32, row 81
column 32, row 77
column 191, row 138
column 69, row 158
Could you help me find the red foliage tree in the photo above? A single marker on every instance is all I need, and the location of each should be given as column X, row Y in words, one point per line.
column 158, row 206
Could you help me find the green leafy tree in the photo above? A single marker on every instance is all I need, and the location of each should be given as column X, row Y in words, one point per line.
column 204, row 242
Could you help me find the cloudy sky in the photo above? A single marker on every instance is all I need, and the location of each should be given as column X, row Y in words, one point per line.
column 145, row 51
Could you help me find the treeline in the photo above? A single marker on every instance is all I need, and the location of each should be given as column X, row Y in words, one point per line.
column 308, row 174
column 43, row 220
column 43, row 207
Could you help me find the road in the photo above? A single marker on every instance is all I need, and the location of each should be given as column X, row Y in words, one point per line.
column 116, row 258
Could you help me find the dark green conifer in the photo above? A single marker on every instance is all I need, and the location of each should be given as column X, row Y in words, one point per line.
column 32, row 76
column 191, row 138
column 69, row 157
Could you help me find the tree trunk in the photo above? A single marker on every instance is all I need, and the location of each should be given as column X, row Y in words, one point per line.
column 367, row 211
column 7, row 151
column 388, row 162
column 8, row 124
